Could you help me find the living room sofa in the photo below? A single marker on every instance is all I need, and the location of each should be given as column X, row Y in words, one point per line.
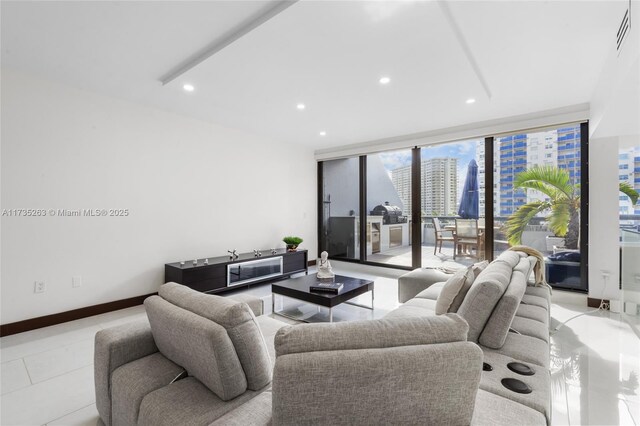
column 508, row 318
column 209, row 360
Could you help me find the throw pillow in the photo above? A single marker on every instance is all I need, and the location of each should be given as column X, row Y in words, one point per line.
column 454, row 290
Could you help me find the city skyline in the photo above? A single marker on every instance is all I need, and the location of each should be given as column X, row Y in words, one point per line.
column 513, row 154
column 463, row 152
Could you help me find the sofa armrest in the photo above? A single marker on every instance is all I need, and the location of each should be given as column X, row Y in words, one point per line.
column 115, row 347
column 412, row 283
column 429, row 384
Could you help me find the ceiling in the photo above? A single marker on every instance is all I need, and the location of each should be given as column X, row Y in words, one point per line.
column 512, row 57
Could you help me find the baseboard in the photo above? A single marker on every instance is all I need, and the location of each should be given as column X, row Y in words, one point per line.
column 75, row 314
column 89, row 311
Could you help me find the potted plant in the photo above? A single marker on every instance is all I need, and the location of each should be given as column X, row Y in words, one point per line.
column 562, row 203
column 292, row 243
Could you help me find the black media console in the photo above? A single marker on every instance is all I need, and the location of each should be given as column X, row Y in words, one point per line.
column 224, row 273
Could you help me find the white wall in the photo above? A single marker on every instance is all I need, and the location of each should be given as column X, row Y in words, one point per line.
column 193, row 190
column 615, row 108
column 603, row 218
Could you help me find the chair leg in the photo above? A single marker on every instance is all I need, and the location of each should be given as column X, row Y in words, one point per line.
column 435, row 247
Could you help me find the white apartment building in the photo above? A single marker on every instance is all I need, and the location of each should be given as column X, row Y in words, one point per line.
column 439, row 186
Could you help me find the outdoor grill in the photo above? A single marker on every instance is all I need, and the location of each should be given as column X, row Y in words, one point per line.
column 390, row 214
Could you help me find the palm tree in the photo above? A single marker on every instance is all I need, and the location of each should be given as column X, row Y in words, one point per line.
column 562, row 201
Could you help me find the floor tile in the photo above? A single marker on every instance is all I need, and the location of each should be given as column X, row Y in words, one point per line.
column 45, row 339
column 13, row 376
column 46, row 365
column 123, row 316
column 87, row 416
column 49, row 400
column 595, row 359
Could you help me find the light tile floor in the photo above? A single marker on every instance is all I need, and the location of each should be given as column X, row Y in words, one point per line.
column 47, row 374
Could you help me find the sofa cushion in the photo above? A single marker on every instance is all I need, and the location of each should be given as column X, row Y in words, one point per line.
column 198, row 344
column 186, row 403
column 454, row 291
column 492, row 409
column 497, row 327
column 381, row 333
column 427, row 304
column 530, row 327
column 524, row 348
column 131, row 382
column 432, row 292
column 255, row 412
column 238, row 320
column 486, row 291
column 540, row 383
column 407, row 311
column 417, row 280
column 529, row 299
column 540, row 291
column 533, row 312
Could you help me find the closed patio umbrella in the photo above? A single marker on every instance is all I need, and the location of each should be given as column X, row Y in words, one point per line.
column 469, row 202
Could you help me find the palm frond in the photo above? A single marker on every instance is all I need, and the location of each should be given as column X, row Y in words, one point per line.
column 551, row 181
column 628, row 190
column 559, row 219
column 518, row 221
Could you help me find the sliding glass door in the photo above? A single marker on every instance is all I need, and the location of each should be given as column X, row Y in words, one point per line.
column 339, row 209
column 389, row 218
column 463, row 201
column 452, row 202
column 538, row 196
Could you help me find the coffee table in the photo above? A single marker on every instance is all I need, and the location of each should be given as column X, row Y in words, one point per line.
column 298, row 288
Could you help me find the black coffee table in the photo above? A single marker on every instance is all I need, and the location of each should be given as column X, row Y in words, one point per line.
column 298, row 288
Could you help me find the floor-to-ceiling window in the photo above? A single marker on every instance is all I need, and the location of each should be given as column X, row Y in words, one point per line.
column 464, row 201
column 389, row 219
column 629, row 181
column 452, row 202
column 538, row 198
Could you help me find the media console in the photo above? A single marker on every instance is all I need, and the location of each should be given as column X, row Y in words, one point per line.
column 224, row 273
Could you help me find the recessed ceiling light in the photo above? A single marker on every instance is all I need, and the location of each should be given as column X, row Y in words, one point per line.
column 470, row 100
column 189, row 87
column 384, row 80
column 323, row 133
column 301, row 106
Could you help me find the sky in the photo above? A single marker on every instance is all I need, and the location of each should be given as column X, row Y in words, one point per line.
column 463, row 151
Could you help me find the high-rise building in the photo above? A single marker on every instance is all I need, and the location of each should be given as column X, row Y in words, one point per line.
column 517, row 153
column 439, row 186
column 629, row 172
column 401, row 179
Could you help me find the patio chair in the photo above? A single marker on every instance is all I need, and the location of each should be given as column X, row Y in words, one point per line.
column 440, row 236
column 467, row 236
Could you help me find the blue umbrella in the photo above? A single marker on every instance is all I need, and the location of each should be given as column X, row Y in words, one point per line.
column 469, row 202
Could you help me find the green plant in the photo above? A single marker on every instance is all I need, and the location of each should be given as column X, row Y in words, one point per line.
column 292, row 240
column 563, row 203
